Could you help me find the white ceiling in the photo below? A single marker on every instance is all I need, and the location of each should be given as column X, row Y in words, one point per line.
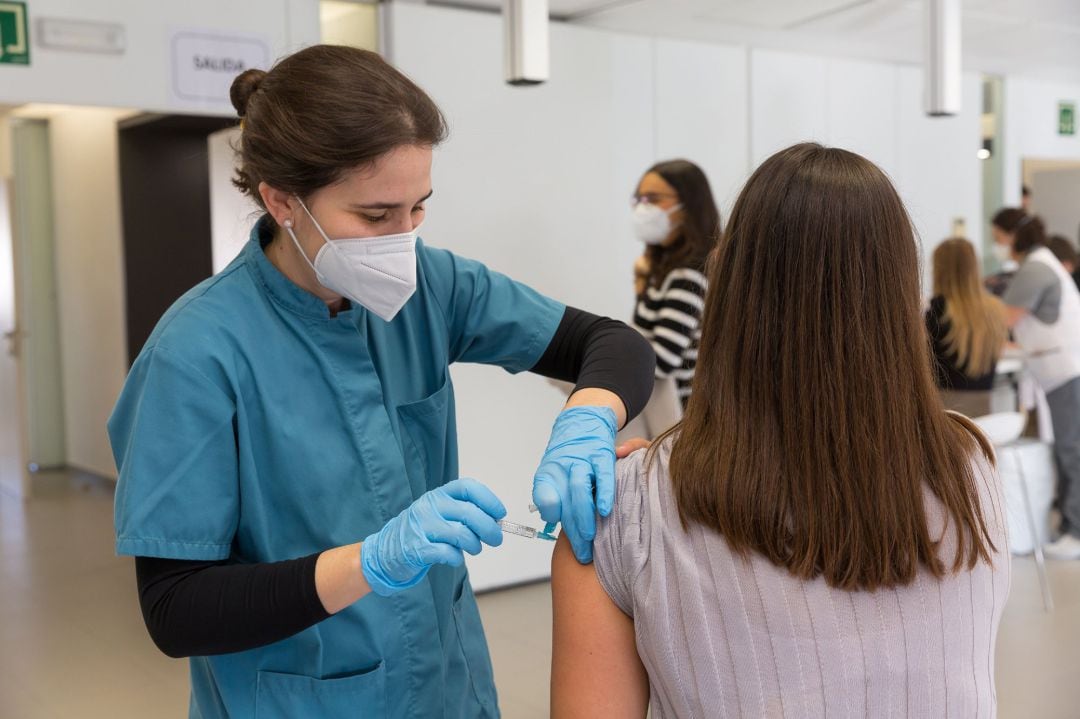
column 1028, row 37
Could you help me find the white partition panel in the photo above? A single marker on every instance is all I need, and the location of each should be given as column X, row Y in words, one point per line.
column 702, row 113
column 861, row 110
column 876, row 110
column 788, row 101
column 938, row 173
column 534, row 182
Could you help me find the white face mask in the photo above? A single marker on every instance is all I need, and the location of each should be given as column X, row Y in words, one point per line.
column 652, row 224
column 1003, row 253
column 378, row 273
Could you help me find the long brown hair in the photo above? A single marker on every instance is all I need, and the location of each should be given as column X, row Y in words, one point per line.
column 323, row 111
column 815, row 423
column 700, row 228
column 976, row 318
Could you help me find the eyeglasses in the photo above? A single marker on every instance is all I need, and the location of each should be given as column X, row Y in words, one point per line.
column 650, row 198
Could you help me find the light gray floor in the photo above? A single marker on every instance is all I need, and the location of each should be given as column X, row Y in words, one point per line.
column 72, row 643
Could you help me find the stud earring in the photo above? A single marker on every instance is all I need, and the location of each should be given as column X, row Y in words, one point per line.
column 287, row 223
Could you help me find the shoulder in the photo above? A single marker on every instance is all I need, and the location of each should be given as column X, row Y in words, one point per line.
column 966, row 426
column 203, row 302
column 204, row 322
column 442, row 269
column 983, row 461
column 641, row 485
column 1037, row 271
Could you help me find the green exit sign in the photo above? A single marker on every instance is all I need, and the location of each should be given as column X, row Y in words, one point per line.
column 14, row 38
column 1066, row 118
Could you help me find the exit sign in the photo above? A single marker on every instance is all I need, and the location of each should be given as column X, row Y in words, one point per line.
column 1066, row 118
column 14, row 39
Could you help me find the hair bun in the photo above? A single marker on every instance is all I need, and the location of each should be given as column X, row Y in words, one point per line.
column 243, row 87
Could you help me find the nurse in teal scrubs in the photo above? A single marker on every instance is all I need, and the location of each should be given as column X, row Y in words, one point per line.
column 286, row 438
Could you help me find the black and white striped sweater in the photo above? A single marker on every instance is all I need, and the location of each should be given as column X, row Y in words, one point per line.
column 670, row 318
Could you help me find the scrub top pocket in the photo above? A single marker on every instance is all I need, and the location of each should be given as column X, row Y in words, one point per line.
column 291, row 696
column 426, row 439
column 474, row 649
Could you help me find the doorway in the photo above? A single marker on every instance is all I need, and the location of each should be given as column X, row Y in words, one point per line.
column 1055, row 195
column 84, row 279
column 165, row 196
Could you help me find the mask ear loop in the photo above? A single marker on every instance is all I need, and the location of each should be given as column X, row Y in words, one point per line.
column 288, row 228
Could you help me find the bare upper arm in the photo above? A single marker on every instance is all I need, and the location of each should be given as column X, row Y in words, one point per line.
column 595, row 668
column 1013, row 315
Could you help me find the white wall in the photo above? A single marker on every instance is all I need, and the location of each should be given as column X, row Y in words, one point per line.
column 938, row 173
column 89, row 270
column 875, row 109
column 699, row 103
column 534, row 181
column 1031, row 127
column 142, row 76
column 231, row 212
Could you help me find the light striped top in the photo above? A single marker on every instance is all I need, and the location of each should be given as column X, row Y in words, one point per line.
column 669, row 316
column 725, row 637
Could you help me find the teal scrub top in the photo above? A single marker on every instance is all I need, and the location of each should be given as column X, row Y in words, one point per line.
column 255, row 427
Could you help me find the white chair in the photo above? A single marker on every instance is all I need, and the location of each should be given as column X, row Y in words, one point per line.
column 1004, row 429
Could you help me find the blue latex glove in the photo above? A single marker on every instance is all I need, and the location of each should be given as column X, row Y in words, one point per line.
column 434, row 529
column 581, row 452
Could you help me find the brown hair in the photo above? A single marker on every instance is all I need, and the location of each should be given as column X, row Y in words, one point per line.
column 815, row 424
column 1008, row 218
column 976, row 319
column 700, row 228
column 1063, row 249
column 1029, row 234
column 323, row 111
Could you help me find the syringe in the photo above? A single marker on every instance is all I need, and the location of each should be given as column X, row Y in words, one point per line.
column 523, row 530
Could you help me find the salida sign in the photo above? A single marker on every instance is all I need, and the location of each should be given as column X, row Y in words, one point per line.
column 234, row 65
column 204, row 64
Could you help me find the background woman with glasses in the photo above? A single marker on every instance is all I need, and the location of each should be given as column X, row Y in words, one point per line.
column 676, row 217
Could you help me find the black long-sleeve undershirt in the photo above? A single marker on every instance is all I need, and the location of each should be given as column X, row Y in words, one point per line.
column 204, row 608
column 199, row 608
column 601, row 353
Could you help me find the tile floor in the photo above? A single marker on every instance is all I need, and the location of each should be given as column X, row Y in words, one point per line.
column 72, row 643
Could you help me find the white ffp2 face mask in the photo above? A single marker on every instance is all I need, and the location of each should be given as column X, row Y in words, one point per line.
column 652, row 224
column 1003, row 253
column 378, row 273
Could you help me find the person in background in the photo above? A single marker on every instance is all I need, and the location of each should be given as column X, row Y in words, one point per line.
column 1003, row 226
column 675, row 215
column 966, row 325
column 1025, row 198
column 806, row 543
column 1043, row 312
column 1066, row 254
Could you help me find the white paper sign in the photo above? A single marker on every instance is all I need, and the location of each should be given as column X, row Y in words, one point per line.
column 204, row 64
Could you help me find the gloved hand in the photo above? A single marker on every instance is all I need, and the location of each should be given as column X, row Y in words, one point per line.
column 581, row 452
column 432, row 530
